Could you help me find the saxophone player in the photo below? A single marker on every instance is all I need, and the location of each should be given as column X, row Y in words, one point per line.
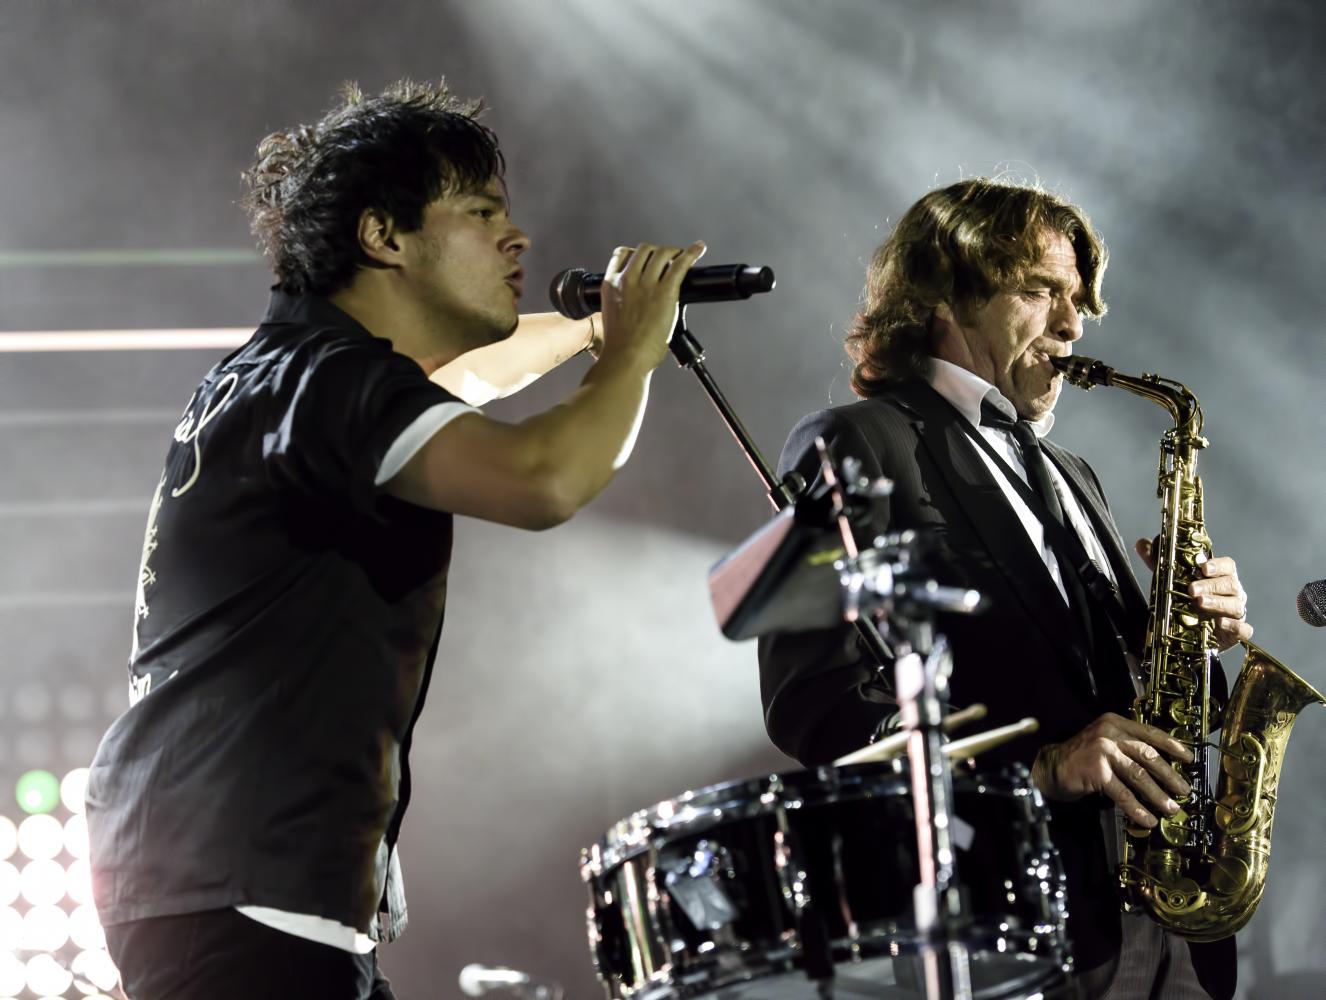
column 979, row 285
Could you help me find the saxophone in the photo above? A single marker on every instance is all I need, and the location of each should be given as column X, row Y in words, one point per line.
column 1199, row 873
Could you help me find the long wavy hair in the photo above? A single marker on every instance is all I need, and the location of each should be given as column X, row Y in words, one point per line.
column 959, row 245
column 396, row 153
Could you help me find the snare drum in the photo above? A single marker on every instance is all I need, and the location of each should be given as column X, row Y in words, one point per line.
column 750, row 889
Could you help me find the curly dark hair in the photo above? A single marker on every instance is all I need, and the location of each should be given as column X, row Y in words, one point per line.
column 959, row 245
column 396, row 153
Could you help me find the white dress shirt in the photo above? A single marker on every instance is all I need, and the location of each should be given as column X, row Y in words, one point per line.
column 967, row 391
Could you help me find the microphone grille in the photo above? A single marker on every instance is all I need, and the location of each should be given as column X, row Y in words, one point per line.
column 567, row 293
column 1312, row 603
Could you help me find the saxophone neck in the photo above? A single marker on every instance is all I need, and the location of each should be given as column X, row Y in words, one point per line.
column 1086, row 373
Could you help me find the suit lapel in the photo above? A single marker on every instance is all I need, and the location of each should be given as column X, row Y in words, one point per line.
column 983, row 502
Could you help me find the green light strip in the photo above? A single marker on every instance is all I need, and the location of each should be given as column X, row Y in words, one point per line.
column 184, row 257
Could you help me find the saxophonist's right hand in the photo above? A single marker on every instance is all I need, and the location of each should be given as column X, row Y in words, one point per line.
column 1220, row 597
column 1119, row 758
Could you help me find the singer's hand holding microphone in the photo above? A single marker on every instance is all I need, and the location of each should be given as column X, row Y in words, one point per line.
column 639, row 295
column 576, row 293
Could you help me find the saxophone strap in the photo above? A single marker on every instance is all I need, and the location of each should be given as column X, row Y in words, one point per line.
column 1033, row 456
column 1081, row 574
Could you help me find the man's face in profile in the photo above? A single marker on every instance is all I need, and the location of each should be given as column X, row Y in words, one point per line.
column 1009, row 339
column 466, row 266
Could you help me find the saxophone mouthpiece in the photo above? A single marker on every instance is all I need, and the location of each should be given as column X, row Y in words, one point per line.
column 1084, row 372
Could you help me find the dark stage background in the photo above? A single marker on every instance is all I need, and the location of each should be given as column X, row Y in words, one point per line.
column 581, row 675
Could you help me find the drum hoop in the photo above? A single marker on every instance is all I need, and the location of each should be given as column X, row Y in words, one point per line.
column 733, row 801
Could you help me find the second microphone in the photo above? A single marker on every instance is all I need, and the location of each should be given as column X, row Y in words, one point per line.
column 575, row 291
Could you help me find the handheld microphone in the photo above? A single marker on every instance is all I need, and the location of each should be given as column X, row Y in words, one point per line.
column 476, row 980
column 1312, row 603
column 575, row 291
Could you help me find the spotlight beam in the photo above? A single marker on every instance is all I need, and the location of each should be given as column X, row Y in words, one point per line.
column 43, row 341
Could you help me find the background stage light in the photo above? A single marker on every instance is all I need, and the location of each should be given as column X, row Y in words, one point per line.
column 13, row 974
column 84, row 928
column 43, row 882
column 96, row 968
column 47, row 977
column 51, row 942
column 41, row 836
column 73, row 786
column 37, row 792
column 11, row 883
column 45, row 929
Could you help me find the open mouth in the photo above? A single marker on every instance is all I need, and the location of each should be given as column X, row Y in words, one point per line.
column 516, row 281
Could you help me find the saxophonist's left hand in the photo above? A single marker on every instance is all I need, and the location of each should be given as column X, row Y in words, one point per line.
column 1220, row 596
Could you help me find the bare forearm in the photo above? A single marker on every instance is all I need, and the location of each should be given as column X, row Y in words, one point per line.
column 541, row 342
column 540, row 472
column 587, row 438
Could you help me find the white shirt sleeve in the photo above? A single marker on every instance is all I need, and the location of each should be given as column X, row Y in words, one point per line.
column 416, row 436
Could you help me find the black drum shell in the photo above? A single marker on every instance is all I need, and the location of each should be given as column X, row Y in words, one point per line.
column 810, row 874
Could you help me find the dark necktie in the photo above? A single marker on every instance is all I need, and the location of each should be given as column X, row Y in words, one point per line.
column 1108, row 672
column 1038, row 471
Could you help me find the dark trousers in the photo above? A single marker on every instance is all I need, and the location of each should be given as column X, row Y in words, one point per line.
column 1152, row 965
column 223, row 955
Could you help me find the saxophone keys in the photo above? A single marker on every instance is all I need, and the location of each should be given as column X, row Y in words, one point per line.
column 1230, row 875
column 1236, row 816
column 1175, row 828
column 1178, row 898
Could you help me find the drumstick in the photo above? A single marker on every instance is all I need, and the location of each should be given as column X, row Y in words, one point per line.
column 895, row 744
column 970, row 746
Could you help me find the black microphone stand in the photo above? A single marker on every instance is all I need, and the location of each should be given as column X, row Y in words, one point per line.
column 781, row 493
column 690, row 355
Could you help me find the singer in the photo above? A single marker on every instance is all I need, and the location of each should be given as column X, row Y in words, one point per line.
column 244, row 811
column 978, row 286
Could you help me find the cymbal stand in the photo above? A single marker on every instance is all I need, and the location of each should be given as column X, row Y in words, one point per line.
column 921, row 679
column 922, row 666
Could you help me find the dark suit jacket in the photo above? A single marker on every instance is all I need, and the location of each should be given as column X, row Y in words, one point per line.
column 1027, row 655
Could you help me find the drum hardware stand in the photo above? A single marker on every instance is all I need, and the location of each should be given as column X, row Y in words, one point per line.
column 937, row 898
column 922, row 664
column 922, row 668
column 885, row 581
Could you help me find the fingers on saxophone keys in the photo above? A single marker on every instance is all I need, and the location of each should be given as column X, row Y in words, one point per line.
column 1158, row 739
column 1233, row 630
column 1151, row 767
column 1139, row 779
column 1218, row 566
column 1219, row 604
column 1158, row 768
column 1121, row 796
